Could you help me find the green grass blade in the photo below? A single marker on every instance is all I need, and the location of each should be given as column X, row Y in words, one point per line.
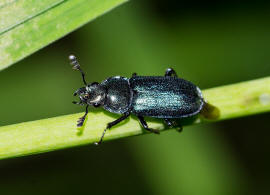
column 29, row 25
column 241, row 99
column 25, row 10
column 237, row 100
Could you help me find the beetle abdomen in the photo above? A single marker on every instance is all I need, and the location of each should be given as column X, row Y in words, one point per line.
column 165, row 97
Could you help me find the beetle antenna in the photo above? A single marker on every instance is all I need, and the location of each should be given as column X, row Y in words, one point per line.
column 76, row 66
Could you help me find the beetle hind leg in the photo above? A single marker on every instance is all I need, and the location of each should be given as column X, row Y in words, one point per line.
column 145, row 126
column 173, row 124
column 170, row 73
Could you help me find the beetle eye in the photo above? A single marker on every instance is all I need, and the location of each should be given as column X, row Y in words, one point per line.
column 86, row 96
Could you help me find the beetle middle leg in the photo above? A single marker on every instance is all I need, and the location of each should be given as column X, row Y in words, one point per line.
column 170, row 72
column 173, row 124
column 82, row 119
column 145, row 126
column 111, row 124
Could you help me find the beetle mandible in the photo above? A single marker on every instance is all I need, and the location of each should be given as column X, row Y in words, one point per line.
column 167, row 97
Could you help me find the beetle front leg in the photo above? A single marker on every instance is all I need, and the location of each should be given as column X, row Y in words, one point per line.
column 170, row 72
column 111, row 124
column 82, row 119
column 173, row 124
column 145, row 126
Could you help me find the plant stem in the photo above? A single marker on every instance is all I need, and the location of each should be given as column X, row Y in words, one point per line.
column 231, row 101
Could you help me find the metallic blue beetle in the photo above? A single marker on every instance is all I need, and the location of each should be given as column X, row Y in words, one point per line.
column 167, row 97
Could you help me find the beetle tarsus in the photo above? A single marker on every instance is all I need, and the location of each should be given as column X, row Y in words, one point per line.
column 134, row 74
column 145, row 126
column 170, row 73
column 82, row 119
column 173, row 124
column 80, row 122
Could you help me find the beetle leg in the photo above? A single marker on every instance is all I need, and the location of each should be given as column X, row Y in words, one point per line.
column 111, row 124
column 168, row 122
column 82, row 119
column 170, row 72
column 145, row 126
column 173, row 124
column 134, row 74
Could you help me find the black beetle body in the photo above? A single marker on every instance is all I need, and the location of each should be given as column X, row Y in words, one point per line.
column 167, row 97
column 153, row 96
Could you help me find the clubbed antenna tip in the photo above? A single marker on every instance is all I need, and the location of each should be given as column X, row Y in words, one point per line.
column 73, row 61
column 76, row 66
column 71, row 57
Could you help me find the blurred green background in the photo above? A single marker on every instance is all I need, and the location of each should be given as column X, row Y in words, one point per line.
column 209, row 43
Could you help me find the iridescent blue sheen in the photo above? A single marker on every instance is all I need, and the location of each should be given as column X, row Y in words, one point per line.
column 165, row 97
column 154, row 96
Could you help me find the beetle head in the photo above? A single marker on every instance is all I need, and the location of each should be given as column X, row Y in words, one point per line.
column 93, row 94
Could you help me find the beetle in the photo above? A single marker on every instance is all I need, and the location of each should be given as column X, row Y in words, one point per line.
column 167, row 97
